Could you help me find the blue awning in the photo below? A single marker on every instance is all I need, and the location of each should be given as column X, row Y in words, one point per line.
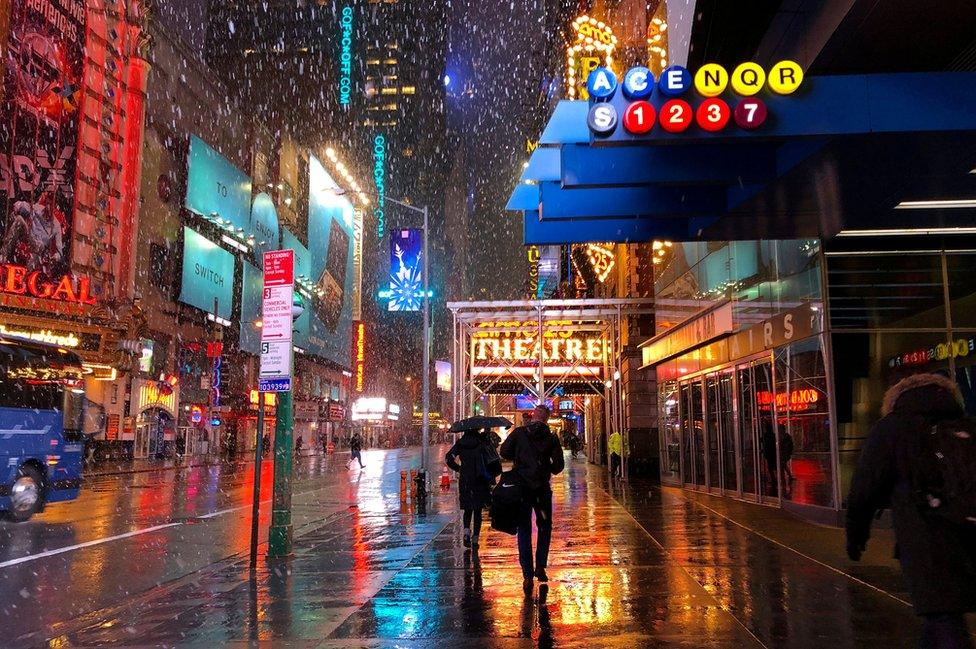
column 838, row 154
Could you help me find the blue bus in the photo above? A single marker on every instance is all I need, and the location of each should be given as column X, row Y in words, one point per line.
column 41, row 418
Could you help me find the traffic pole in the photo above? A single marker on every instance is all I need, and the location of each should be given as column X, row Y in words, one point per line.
column 256, row 498
column 280, row 533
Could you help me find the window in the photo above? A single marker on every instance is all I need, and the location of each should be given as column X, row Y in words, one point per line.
column 886, row 291
column 408, row 90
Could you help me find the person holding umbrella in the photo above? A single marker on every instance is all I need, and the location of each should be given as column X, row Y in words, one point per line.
column 477, row 463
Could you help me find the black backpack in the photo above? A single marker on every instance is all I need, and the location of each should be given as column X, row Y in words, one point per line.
column 944, row 471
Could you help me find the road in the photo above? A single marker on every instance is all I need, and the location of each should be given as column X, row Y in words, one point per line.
column 127, row 533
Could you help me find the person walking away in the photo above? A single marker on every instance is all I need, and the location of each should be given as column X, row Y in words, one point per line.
column 298, row 446
column 615, row 446
column 785, row 455
column 265, row 445
column 180, row 448
column 537, row 456
column 920, row 459
column 477, row 464
column 355, row 450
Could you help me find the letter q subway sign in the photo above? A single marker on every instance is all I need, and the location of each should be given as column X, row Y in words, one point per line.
column 717, row 109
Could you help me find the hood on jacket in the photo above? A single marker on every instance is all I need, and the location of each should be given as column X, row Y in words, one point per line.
column 924, row 394
column 471, row 439
column 537, row 428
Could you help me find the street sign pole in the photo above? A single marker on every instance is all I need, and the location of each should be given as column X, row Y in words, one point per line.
column 277, row 366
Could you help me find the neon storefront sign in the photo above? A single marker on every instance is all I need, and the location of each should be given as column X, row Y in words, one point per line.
column 940, row 352
column 792, row 401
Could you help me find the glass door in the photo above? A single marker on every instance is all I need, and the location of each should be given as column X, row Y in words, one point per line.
column 726, row 417
column 671, row 432
column 697, row 432
column 712, row 430
column 765, row 398
column 687, row 437
column 747, row 430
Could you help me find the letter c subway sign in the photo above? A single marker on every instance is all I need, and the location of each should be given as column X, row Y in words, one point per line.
column 727, row 97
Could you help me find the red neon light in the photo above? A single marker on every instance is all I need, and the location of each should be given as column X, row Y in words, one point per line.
column 16, row 280
column 795, row 401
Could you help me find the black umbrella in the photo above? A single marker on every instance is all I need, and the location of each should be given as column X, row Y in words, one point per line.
column 477, row 423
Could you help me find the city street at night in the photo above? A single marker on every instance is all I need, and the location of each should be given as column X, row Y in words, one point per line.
column 484, row 323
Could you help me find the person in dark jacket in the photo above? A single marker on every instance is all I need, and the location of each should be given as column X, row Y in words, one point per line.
column 355, row 450
column 471, row 456
column 538, row 456
column 937, row 557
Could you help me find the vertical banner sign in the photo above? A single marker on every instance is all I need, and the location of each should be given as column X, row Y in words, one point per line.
column 276, row 329
column 359, row 356
column 379, row 179
column 39, row 121
column 357, row 265
column 345, row 56
column 406, row 272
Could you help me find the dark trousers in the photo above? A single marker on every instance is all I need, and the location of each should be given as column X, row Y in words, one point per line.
column 614, row 464
column 474, row 514
column 540, row 502
column 945, row 631
column 356, row 455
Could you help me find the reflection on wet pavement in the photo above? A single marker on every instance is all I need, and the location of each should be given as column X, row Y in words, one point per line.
column 662, row 570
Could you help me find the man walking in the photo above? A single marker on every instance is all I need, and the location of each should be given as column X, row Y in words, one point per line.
column 355, row 450
column 538, row 456
column 922, row 444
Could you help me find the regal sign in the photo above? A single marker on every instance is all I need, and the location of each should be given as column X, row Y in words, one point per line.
column 18, row 280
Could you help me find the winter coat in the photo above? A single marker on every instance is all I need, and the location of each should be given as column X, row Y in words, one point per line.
column 474, row 453
column 937, row 557
column 536, row 452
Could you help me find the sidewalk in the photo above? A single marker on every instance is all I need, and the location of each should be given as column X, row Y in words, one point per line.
column 637, row 566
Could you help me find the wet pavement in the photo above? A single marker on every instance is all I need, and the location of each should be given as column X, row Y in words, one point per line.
column 634, row 566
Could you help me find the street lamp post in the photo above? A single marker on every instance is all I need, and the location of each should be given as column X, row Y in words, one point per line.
column 425, row 450
column 425, row 426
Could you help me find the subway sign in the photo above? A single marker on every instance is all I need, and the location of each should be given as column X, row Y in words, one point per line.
column 711, row 100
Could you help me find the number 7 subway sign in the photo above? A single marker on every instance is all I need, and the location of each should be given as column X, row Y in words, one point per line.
column 276, row 316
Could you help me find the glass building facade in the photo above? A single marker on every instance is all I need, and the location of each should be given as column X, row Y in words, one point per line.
column 772, row 358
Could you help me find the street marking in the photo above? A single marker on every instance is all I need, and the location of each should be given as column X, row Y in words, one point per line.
column 232, row 509
column 86, row 544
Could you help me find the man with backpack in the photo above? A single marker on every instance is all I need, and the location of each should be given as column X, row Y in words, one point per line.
column 920, row 459
column 537, row 456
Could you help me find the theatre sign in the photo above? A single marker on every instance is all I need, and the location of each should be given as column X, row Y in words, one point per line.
column 514, row 348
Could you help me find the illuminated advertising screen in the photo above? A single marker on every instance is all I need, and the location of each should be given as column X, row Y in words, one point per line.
column 330, row 244
column 214, row 186
column 263, row 227
column 443, row 371
column 39, row 122
column 252, row 285
column 406, row 272
column 208, row 275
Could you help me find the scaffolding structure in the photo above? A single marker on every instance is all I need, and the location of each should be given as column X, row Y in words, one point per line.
column 538, row 320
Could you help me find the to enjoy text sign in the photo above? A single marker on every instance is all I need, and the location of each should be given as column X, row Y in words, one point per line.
column 276, row 329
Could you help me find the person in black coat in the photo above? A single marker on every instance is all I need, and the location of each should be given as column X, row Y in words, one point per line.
column 937, row 556
column 473, row 458
column 538, row 456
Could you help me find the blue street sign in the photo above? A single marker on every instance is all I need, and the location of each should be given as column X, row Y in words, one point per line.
column 282, row 384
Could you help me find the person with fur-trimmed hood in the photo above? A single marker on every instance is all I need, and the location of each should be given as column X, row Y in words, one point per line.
column 937, row 555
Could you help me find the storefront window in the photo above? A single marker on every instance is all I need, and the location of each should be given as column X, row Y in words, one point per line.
column 803, row 422
column 886, row 291
column 961, row 268
column 867, row 364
